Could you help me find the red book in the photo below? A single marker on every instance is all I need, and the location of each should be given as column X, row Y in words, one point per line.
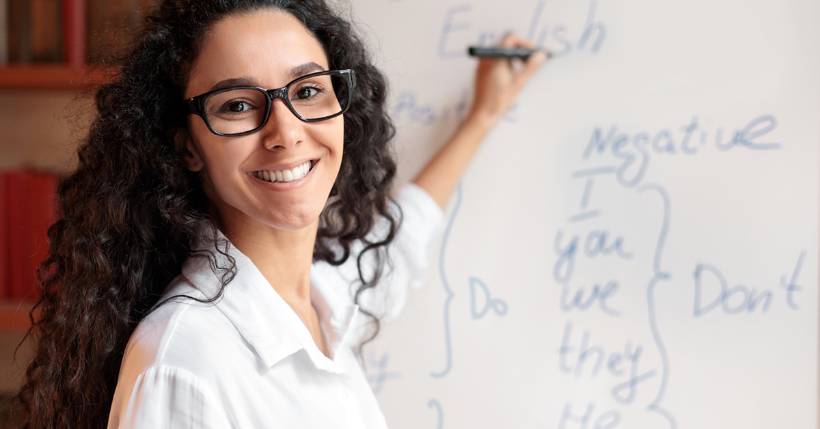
column 31, row 209
column 4, row 241
column 45, row 30
column 15, row 182
column 41, row 213
column 73, row 13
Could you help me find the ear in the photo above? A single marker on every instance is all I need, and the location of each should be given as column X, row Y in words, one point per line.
column 192, row 157
column 190, row 153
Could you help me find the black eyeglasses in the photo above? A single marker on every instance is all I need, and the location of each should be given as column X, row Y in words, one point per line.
column 241, row 110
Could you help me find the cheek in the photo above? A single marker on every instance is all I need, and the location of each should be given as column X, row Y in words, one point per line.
column 334, row 134
column 338, row 139
column 331, row 137
column 222, row 163
column 338, row 151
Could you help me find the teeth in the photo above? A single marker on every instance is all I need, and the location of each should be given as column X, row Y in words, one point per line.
column 295, row 173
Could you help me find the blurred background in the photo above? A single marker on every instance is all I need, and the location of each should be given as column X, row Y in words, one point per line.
column 53, row 55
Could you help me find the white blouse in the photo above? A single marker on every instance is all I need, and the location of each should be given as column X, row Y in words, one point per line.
column 248, row 360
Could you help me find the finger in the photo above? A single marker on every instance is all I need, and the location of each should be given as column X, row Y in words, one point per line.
column 535, row 62
column 529, row 69
column 524, row 68
column 511, row 40
column 508, row 41
column 516, row 65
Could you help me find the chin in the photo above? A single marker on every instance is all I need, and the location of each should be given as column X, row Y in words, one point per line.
column 293, row 221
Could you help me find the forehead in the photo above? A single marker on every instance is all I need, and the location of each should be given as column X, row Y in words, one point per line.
column 263, row 45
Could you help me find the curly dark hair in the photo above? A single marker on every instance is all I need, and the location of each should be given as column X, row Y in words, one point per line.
column 129, row 214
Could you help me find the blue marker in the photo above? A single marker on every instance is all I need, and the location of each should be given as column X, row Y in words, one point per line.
column 508, row 53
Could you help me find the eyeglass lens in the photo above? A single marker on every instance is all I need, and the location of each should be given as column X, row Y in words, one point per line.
column 240, row 110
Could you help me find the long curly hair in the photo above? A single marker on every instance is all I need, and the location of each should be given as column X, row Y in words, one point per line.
column 129, row 214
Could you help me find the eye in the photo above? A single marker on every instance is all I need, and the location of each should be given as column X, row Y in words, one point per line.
column 236, row 106
column 307, row 92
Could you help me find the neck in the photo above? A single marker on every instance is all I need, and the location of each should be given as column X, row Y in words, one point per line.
column 284, row 257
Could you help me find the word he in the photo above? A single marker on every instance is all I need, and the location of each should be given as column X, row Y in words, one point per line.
column 569, row 419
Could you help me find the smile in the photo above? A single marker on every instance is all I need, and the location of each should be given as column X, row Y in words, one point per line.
column 285, row 176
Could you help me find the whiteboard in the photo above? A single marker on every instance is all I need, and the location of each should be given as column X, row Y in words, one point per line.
column 635, row 245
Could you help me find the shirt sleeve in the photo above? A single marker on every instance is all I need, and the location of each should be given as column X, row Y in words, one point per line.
column 409, row 252
column 166, row 397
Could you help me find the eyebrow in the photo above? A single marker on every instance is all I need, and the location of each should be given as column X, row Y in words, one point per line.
column 293, row 73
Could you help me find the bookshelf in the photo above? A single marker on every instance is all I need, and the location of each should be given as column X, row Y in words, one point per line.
column 77, row 37
column 53, row 76
column 87, row 30
column 14, row 315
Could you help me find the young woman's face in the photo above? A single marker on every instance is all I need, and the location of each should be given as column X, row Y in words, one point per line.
column 268, row 48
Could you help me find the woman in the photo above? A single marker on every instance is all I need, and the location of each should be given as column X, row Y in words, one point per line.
column 199, row 272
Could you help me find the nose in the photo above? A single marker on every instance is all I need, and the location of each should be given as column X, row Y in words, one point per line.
column 283, row 130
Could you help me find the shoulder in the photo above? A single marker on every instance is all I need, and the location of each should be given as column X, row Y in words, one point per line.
column 167, row 369
column 421, row 220
column 166, row 397
column 180, row 333
column 411, row 196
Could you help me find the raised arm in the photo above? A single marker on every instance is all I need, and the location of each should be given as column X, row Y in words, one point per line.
column 497, row 83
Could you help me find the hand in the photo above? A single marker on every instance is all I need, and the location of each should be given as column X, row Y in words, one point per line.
column 498, row 81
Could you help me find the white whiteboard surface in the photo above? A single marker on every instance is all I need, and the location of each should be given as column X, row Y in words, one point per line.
column 676, row 145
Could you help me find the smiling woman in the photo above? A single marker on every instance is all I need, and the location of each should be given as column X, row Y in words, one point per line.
column 229, row 190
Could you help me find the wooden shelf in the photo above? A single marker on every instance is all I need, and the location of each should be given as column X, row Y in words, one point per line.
column 14, row 315
column 53, row 76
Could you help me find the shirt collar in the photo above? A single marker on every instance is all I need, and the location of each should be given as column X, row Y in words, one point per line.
column 262, row 317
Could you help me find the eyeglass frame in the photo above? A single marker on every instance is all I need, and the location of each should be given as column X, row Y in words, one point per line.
column 196, row 104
